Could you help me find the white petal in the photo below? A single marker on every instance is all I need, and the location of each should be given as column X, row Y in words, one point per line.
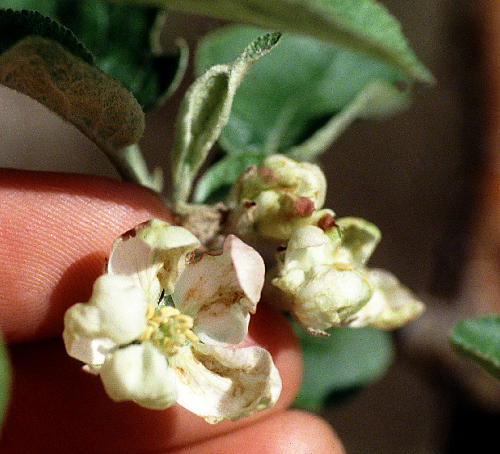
column 116, row 311
column 328, row 297
column 221, row 291
column 219, row 383
column 391, row 305
column 153, row 253
column 139, row 373
column 308, row 246
column 91, row 351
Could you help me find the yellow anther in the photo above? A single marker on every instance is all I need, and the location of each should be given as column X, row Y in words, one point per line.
column 168, row 329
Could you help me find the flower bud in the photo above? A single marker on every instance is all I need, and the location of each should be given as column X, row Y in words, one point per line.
column 327, row 284
column 276, row 198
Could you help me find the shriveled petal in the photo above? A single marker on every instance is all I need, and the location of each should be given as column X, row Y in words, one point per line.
column 139, row 373
column 221, row 291
column 219, row 383
column 391, row 305
column 115, row 311
column 154, row 254
column 326, row 297
column 359, row 240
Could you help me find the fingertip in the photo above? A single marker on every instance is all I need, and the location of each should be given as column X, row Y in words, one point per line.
column 55, row 233
column 287, row 432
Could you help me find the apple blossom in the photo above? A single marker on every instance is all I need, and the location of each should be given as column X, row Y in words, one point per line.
column 277, row 197
column 160, row 325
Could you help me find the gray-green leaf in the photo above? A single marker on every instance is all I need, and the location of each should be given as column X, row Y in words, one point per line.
column 479, row 340
column 205, row 110
column 79, row 92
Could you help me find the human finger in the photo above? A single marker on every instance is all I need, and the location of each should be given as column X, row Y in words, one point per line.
column 55, row 232
column 288, row 432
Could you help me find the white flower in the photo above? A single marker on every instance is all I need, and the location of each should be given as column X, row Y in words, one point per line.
column 277, row 197
column 158, row 325
column 327, row 283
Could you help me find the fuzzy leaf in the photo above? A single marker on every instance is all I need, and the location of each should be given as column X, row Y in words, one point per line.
column 80, row 93
column 362, row 25
column 205, row 110
column 479, row 340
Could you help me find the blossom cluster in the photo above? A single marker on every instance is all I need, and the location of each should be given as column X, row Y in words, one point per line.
column 322, row 262
column 163, row 325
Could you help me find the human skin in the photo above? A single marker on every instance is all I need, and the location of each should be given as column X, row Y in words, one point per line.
column 55, row 232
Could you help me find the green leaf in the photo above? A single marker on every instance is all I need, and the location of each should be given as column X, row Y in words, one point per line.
column 479, row 340
column 5, row 380
column 362, row 25
column 205, row 110
column 120, row 39
column 299, row 98
column 16, row 25
column 376, row 100
column 45, row 7
column 350, row 358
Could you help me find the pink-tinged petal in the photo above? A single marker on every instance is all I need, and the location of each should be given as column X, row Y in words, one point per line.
column 221, row 291
column 154, row 254
column 219, row 383
column 139, row 373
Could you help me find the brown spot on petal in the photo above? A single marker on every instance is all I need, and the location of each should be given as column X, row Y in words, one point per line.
column 249, row 204
column 303, row 206
column 267, row 175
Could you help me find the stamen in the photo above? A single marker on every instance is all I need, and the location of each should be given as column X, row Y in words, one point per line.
column 168, row 329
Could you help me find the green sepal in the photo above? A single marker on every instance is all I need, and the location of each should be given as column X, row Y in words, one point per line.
column 479, row 339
